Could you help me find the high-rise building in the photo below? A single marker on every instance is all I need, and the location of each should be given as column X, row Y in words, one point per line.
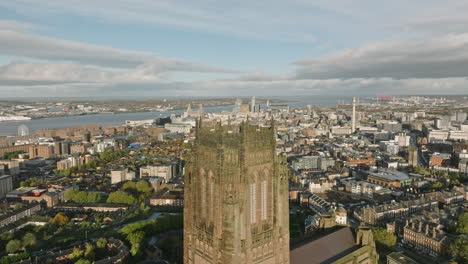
column 353, row 129
column 122, row 174
column 413, row 156
column 254, row 107
column 236, row 197
column 309, row 110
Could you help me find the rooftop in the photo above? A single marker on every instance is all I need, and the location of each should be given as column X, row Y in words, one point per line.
column 402, row 259
column 22, row 190
column 390, row 175
column 326, row 249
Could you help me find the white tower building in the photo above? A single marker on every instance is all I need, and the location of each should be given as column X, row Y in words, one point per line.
column 353, row 128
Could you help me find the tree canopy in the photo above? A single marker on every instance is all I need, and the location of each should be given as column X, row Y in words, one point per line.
column 137, row 232
column 60, row 219
column 419, row 170
column 29, row 240
column 121, row 197
column 32, row 182
column 13, row 246
column 382, row 237
column 462, row 225
column 12, row 155
column 82, row 197
column 459, row 249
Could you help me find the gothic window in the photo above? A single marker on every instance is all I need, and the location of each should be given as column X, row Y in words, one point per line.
column 211, row 195
column 203, row 193
column 264, row 199
column 253, row 203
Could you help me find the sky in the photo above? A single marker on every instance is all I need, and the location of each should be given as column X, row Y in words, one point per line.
column 154, row 48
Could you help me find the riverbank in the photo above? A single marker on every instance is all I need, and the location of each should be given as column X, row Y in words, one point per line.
column 11, row 128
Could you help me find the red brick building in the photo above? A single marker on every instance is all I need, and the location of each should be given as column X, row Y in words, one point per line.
column 165, row 197
column 426, row 237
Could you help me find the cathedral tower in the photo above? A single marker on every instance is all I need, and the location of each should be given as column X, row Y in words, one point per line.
column 236, row 197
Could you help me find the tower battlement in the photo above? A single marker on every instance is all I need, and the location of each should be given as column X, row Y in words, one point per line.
column 243, row 135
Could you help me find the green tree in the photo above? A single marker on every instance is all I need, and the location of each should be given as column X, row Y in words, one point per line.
column 89, row 251
column 129, row 187
column 144, row 187
column 76, row 254
column 135, row 240
column 94, row 197
column 101, row 243
column 14, row 258
column 121, row 197
column 13, row 246
column 70, row 195
column 32, row 182
column 420, row 170
column 382, row 237
column 459, row 249
column 29, row 240
column 83, row 261
column 12, row 155
column 81, row 197
column 462, row 225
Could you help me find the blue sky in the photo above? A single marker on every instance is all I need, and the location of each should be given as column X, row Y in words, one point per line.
column 297, row 47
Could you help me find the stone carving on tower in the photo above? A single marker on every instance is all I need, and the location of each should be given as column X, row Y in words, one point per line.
column 236, row 197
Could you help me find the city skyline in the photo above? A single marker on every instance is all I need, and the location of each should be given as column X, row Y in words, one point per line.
column 369, row 180
column 173, row 48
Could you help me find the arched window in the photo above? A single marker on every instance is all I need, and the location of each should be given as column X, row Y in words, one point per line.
column 253, row 199
column 263, row 186
column 211, row 195
column 202, row 193
column 265, row 194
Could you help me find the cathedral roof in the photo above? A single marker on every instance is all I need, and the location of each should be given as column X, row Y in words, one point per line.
column 326, row 249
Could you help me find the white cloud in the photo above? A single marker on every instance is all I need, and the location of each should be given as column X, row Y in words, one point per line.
column 262, row 76
column 397, row 66
column 271, row 20
column 440, row 57
column 17, row 26
column 22, row 73
column 51, row 49
column 294, row 20
column 337, row 87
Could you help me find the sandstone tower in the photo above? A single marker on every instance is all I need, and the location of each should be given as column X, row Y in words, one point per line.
column 236, row 197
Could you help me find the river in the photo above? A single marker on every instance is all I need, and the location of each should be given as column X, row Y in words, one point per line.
column 11, row 128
